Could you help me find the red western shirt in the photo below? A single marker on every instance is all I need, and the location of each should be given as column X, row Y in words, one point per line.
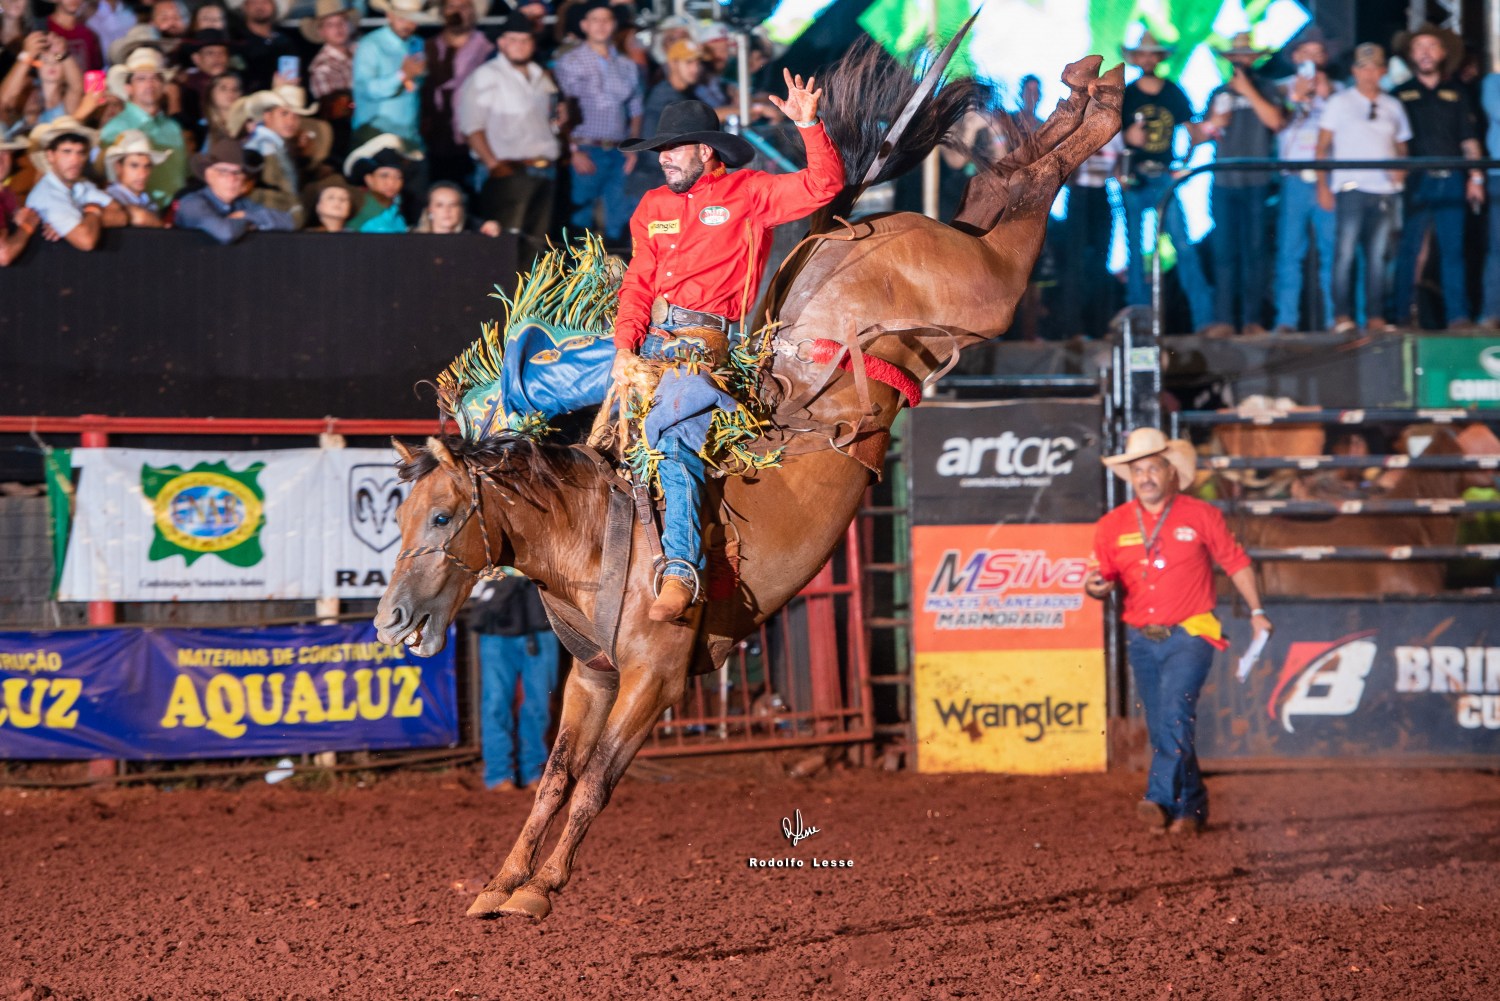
column 1192, row 540
column 703, row 248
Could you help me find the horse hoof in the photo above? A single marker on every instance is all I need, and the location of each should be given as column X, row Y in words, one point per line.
column 527, row 903
column 488, row 904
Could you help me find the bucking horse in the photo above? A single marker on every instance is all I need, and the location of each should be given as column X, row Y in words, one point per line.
column 865, row 312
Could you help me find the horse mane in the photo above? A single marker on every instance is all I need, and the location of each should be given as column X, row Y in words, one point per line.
column 536, row 471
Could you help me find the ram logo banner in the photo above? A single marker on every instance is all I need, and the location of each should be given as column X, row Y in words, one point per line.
column 375, row 492
column 209, row 509
column 1322, row 679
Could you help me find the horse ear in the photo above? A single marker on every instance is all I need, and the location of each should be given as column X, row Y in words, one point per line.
column 402, row 449
column 440, row 452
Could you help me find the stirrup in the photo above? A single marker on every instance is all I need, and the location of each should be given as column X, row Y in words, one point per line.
column 659, row 573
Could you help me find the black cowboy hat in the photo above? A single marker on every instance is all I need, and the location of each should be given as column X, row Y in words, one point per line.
column 694, row 122
column 207, row 38
column 518, row 23
column 575, row 13
column 230, row 152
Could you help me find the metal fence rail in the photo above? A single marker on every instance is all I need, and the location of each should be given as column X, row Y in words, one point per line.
column 1374, row 505
column 1309, row 462
column 1369, row 554
column 1371, row 415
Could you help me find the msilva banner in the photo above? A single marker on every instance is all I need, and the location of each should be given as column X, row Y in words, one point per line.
column 139, row 694
column 1009, row 671
column 216, row 526
column 1374, row 679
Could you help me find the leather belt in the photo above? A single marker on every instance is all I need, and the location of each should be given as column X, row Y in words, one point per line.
column 1156, row 633
column 536, row 164
column 599, row 143
column 677, row 316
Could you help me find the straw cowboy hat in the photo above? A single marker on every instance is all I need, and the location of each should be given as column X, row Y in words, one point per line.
column 36, row 142
column 130, row 142
column 142, row 60
column 283, row 7
column 311, row 26
column 227, row 151
column 1148, row 43
column 384, row 150
column 140, row 36
column 1454, row 45
column 15, row 145
column 1241, row 44
column 415, row 11
column 694, row 122
column 1146, row 442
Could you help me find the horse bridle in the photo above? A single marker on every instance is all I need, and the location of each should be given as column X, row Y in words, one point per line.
column 490, row 570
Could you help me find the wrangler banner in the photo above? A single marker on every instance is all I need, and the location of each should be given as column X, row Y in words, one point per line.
column 216, row 526
column 1008, row 669
column 1376, row 679
column 138, row 694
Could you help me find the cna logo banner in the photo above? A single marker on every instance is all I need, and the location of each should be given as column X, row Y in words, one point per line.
column 154, row 525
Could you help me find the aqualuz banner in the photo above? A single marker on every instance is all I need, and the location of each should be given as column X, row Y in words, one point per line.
column 1009, row 461
column 1372, row 679
column 216, row 526
column 140, row 694
column 1009, row 665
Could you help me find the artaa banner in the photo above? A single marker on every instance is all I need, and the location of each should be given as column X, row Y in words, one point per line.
column 1378, row 679
column 140, row 694
column 1010, row 461
column 214, row 526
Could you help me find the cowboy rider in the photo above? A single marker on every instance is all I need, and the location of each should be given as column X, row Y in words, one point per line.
column 699, row 247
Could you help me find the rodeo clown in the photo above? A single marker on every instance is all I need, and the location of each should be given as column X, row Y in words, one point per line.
column 699, row 246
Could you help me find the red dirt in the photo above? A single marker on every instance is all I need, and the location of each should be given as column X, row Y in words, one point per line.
column 1309, row 885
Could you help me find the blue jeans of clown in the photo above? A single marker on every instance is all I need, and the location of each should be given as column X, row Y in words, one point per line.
column 1141, row 197
column 606, row 183
column 1438, row 203
column 1300, row 213
column 515, row 743
column 1491, row 310
column 1168, row 678
column 1363, row 221
column 1239, row 254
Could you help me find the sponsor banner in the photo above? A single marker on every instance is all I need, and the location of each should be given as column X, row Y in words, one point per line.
column 1339, row 679
column 1035, row 712
column 1006, row 461
column 139, row 694
column 213, row 526
column 1003, row 587
column 1458, row 371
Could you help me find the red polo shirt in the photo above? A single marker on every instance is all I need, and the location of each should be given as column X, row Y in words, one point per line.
column 1192, row 540
column 703, row 248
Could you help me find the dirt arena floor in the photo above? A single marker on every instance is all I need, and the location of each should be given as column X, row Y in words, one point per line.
column 1369, row 884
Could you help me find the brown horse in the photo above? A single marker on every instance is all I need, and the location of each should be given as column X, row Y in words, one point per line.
column 542, row 509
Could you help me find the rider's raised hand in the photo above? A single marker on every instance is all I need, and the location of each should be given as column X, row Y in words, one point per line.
column 801, row 102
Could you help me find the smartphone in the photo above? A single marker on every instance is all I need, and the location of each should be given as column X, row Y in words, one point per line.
column 93, row 82
column 1307, row 69
column 286, row 68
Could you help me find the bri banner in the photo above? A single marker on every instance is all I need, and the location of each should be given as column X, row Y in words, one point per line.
column 139, row 694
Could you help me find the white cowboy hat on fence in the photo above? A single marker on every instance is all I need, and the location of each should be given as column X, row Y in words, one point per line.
column 1145, row 442
column 130, row 142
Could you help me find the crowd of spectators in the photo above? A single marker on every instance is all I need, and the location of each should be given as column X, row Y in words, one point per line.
column 255, row 115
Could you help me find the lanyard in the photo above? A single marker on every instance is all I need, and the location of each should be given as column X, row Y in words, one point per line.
column 1150, row 543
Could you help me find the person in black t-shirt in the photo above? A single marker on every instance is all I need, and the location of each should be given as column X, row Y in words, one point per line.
column 1152, row 111
column 1442, row 124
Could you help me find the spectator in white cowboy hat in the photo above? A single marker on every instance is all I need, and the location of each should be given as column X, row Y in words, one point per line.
column 284, row 131
column 669, row 31
column 66, row 20
column 130, row 160
column 17, row 223
column 505, row 109
column 222, row 207
column 72, row 208
column 110, row 21
column 332, row 27
column 381, row 166
column 141, row 80
column 452, row 55
column 388, row 71
column 265, row 44
column 1306, row 94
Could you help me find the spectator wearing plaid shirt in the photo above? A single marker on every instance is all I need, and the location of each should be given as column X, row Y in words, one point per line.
column 606, row 88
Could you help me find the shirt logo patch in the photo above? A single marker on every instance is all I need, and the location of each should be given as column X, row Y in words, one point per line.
column 1184, row 534
column 714, row 215
column 663, row 227
column 1130, row 539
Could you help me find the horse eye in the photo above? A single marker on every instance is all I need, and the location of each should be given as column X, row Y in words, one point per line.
column 440, row 519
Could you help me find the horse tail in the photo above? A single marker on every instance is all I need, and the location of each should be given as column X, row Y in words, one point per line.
column 864, row 94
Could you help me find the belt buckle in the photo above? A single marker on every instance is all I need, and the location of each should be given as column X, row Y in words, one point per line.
column 1156, row 633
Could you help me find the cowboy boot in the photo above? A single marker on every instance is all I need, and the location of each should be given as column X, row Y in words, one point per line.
column 675, row 597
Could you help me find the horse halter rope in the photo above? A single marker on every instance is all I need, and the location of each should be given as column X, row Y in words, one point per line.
column 490, row 571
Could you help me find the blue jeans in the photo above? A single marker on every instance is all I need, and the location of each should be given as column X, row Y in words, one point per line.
column 1239, row 254
column 607, row 182
column 1300, row 210
column 1362, row 221
column 1168, row 677
column 1491, row 310
column 1436, row 202
column 1140, row 198
column 515, row 743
